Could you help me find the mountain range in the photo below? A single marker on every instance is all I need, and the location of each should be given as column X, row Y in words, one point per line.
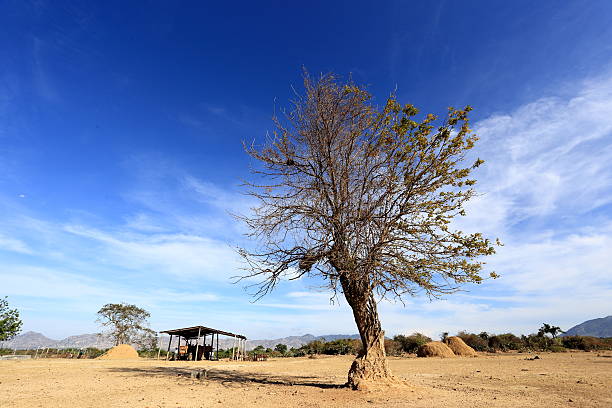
column 601, row 327
column 33, row 340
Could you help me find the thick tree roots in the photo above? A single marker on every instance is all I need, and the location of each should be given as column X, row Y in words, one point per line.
column 371, row 372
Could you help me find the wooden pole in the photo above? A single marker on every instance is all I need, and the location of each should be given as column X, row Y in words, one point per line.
column 204, row 345
column 233, row 347
column 198, row 344
column 217, row 346
column 159, row 347
column 168, row 352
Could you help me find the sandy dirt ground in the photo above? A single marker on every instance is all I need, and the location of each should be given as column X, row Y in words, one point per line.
column 555, row 380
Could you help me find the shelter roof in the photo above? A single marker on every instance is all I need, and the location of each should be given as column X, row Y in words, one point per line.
column 192, row 332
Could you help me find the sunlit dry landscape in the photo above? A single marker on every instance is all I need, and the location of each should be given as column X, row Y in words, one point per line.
column 573, row 379
column 305, row 204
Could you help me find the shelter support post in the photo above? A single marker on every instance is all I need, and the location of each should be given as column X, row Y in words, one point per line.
column 233, row 347
column 204, row 345
column 158, row 347
column 168, row 352
column 198, row 344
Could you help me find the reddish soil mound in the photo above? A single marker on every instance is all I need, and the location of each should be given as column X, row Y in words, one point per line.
column 120, row 352
column 459, row 347
column 435, row 349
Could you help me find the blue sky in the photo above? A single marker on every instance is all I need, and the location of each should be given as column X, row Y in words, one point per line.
column 120, row 153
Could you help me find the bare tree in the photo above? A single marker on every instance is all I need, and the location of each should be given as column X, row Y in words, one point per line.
column 363, row 198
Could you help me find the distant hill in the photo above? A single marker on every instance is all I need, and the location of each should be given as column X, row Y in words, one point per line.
column 86, row 340
column 28, row 340
column 601, row 327
column 33, row 340
column 294, row 341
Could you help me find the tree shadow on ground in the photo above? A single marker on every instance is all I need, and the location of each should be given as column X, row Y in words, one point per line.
column 228, row 378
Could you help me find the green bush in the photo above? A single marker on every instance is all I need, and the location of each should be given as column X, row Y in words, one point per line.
column 505, row 342
column 536, row 342
column 586, row 343
column 281, row 348
column 393, row 348
column 410, row 344
column 92, row 352
column 341, row 346
column 298, row 352
column 259, row 350
column 475, row 341
column 313, row 347
column 335, row 347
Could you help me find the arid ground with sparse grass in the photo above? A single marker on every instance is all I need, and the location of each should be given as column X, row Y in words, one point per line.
column 573, row 379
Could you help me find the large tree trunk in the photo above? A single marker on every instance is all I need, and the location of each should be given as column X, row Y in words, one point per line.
column 370, row 365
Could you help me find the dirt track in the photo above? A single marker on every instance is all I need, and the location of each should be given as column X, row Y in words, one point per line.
column 555, row 380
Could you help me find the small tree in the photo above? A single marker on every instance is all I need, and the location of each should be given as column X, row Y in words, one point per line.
column 259, row 350
column 410, row 344
column 281, row 348
column 546, row 328
column 478, row 342
column 505, row 342
column 363, row 198
column 126, row 323
column 10, row 323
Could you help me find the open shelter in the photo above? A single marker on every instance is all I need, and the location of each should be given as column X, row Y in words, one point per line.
column 199, row 343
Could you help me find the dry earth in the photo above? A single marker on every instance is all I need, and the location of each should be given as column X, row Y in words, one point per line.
column 556, row 380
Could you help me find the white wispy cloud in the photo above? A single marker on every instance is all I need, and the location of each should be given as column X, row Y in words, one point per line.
column 223, row 199
column 293, row 306
column 547, row 158
column 179, row 254
column 14, row 245
column 171, row 198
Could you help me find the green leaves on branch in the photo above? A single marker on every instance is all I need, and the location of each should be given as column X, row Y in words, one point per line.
column 351, row 191
column 126, row 323
column 10, row 323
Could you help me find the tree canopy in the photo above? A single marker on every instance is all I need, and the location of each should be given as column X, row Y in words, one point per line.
column 281, row 348
column 10, row 323
column 364, row 198
column 546, row 328
column 126, row 323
